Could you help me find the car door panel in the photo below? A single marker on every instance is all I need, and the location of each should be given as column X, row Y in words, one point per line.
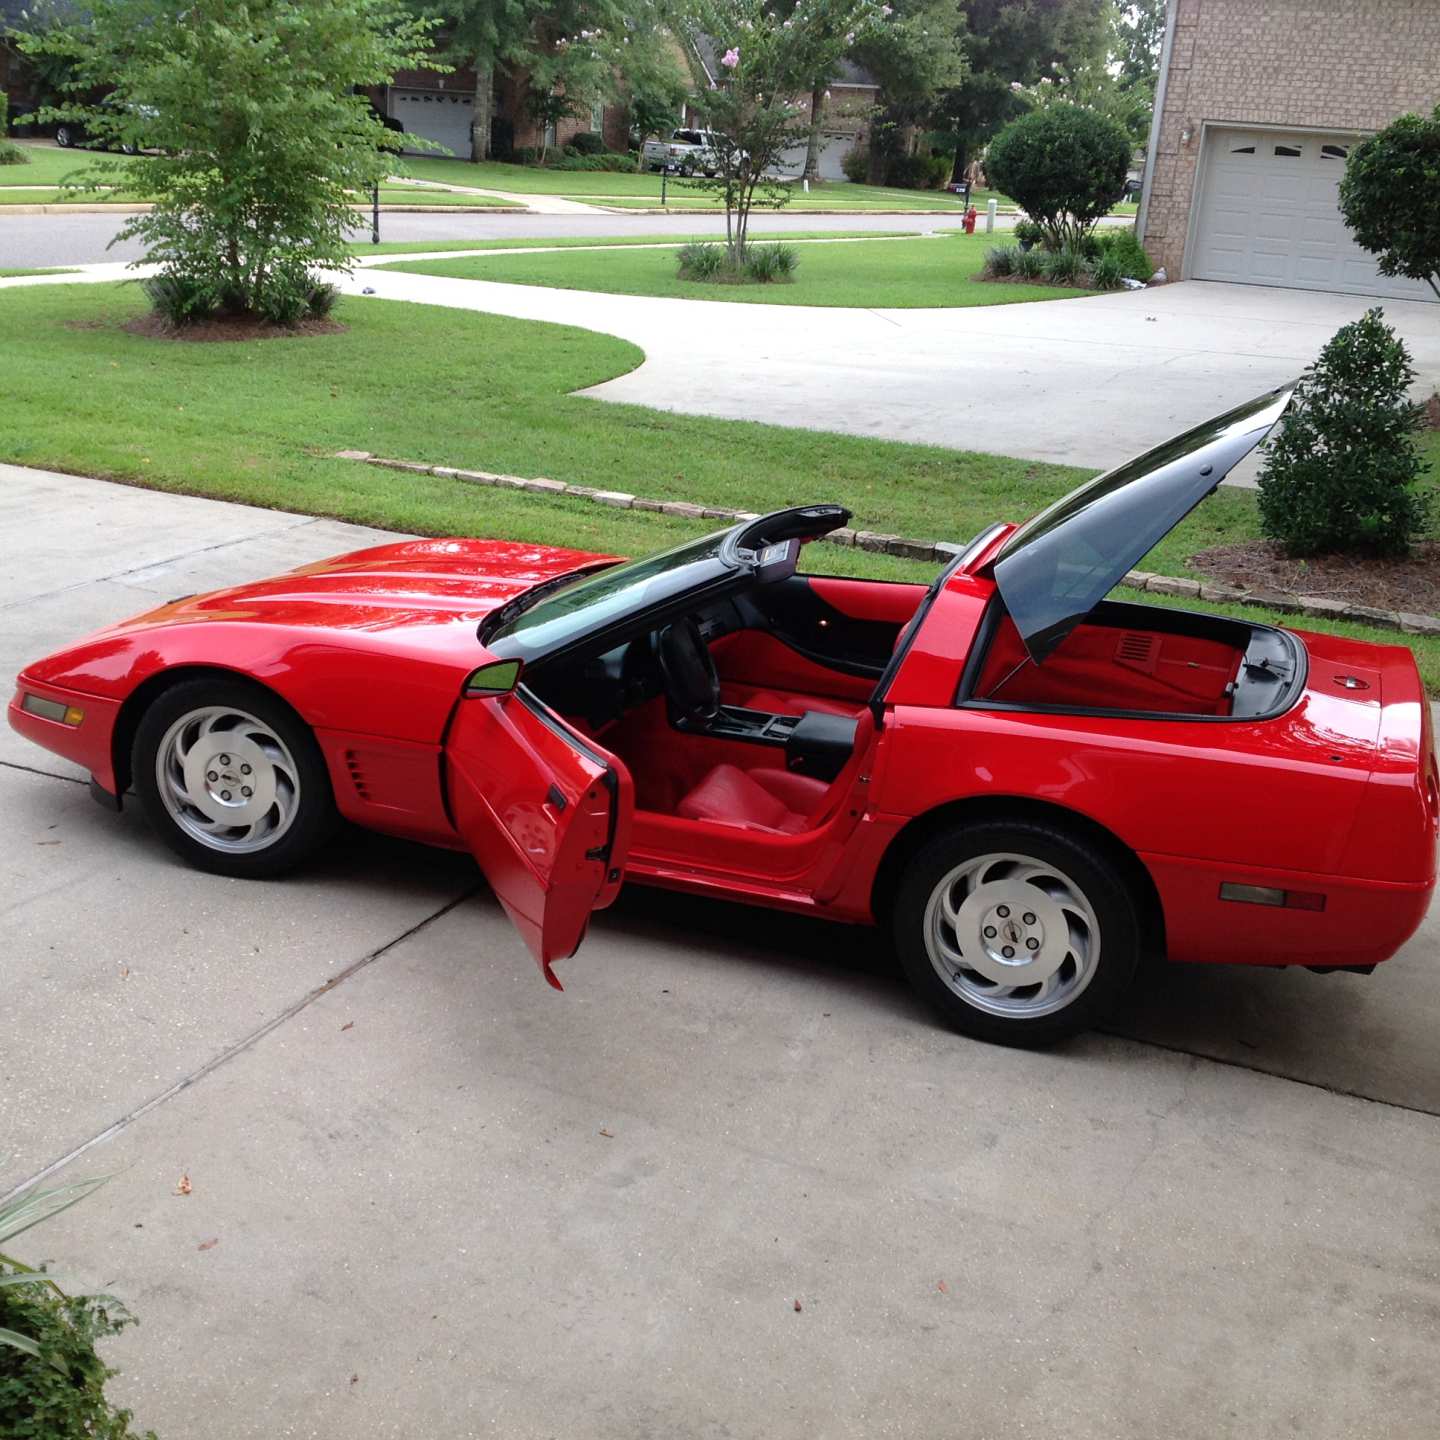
column 546, row 814
column 846, row 625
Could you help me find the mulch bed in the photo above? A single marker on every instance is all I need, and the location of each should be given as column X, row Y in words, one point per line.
column 1411, row 584
column 222, row 328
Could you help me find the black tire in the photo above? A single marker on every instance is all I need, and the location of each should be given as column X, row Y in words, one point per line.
column 298, row 771
column 64, row 136
column 1099, row 938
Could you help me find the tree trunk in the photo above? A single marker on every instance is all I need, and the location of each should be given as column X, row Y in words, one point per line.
column 962, row 162
column 484, row 104
column 817, row 118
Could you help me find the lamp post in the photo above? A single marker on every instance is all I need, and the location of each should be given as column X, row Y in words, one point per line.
column 375, row 213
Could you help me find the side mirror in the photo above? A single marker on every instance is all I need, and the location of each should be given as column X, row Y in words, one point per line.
column 499, row 677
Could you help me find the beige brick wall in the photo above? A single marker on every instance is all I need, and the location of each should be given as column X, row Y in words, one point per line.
column 1326, row 64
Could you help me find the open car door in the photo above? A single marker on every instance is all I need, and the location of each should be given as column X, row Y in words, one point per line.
column 546, row 812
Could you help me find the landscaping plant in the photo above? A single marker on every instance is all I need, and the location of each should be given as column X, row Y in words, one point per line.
column 1341, row 474
column 1064, row 166
column 1390, row 197
column 767, row 55
column 52, row 1381
column 255, row 132
column 10, row 152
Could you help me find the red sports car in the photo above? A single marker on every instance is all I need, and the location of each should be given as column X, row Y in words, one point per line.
column 1029, row 784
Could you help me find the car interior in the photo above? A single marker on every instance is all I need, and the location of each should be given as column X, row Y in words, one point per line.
column 750, row 713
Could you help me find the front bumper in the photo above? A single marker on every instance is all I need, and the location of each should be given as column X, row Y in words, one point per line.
column 88, row 744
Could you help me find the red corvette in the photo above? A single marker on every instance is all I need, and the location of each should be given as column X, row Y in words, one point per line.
column 1030, row 784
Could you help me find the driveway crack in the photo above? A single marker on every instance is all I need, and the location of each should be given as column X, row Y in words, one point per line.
column 241, row 1046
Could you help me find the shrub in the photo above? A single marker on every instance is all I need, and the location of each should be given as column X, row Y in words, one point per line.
column 1030, row 264
column 917, row 172
column 588, row 142
column 1106, row 272
column 702, row 261
column 856, row 164
column 11, row 153
column 767, row 264
column 180, row 298
column 1064, row 166
column 1000, row 261
column 1390, row 197
column 1341, row 474
column 1064, row 267
column 60, row 1393
column 1125, row 247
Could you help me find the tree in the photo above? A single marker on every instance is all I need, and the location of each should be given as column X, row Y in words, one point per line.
column 915, row 56
column 769, row 53
column 1064, row 166
column 1140, row 29
column 1390, row 197
column 255, row 130
column 1010, row 44
column 1341, row 474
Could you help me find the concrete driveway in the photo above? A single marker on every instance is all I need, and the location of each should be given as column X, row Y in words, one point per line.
column 1090, row 381
column 734, row 1182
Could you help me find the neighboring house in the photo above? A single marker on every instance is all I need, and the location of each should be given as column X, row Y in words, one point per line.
column 16, row 78
column 1259, row 103
column 853, row 94
column 440, row 108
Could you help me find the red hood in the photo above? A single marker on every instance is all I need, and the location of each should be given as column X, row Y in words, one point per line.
column 416, row 583
column 376, row 640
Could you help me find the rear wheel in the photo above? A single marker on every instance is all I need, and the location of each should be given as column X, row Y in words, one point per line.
column 64, row 136
column 1019, row 932
column 231, row 779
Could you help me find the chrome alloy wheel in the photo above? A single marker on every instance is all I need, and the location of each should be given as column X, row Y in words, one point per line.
column 227, row 779
column 1012, row 936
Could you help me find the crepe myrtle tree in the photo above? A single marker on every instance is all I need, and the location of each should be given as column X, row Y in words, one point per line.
column 769, row 53
column 254, row 131
column 1390, row 197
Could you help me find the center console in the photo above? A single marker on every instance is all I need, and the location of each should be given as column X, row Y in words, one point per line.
column 815, row 743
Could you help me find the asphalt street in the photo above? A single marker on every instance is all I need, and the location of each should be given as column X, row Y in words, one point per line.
column 734, row 1182
column 85, row 239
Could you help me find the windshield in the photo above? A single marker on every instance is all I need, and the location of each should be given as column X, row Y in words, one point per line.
column 594, row 603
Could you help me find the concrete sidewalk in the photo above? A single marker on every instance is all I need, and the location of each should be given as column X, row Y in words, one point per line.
column 430, row 1197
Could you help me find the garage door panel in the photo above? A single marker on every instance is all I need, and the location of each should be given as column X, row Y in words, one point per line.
column 1269, row 215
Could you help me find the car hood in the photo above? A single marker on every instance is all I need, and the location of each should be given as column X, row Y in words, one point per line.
column 1055, row 569
column 415, row 584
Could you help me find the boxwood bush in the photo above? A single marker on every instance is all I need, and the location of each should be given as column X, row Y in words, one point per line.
column 1341, row 474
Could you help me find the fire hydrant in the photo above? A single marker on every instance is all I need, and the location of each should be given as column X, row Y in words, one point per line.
column 969, row 222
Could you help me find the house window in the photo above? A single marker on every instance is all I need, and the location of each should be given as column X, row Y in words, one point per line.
column 1334, row 152
column 1288, row 152
column 597, row 116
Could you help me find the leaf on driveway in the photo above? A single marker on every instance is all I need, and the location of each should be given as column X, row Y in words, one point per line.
column 184, row 1187
column 608, row 1134
column 798, row 1307
column 348, row 1025
column 208, row 1244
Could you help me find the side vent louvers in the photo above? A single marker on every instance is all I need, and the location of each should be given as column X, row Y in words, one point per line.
column 357, row 774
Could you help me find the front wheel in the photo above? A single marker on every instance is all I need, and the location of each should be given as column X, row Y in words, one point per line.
column 1019, row 932
column 232, row 779
column 64, row 136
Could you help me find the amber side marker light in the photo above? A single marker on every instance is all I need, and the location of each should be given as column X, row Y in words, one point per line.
column 51, row 709
column 1264, row 895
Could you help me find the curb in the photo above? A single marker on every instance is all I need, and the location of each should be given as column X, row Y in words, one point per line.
column 936, row 551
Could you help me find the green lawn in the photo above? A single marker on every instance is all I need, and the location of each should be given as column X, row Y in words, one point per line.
column 569, row 242
column 259, row 421
column 910, row 274
column 49, row 165
column 415, row 195
column 52, row 270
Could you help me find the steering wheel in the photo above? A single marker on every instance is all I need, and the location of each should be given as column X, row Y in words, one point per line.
column 692, row 687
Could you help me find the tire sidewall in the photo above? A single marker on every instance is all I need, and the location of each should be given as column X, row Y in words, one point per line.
column 1084, row 863
column 316, row 818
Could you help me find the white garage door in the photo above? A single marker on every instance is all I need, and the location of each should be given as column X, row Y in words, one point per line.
column 437, row 116
column 1269, row 215
column 834, row 146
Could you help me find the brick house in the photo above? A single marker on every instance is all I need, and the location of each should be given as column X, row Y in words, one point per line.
column 1259, row 102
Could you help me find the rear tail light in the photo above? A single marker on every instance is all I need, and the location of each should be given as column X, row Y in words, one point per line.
column 1265, row 895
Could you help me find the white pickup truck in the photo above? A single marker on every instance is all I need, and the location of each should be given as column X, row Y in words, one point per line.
column 685, row 152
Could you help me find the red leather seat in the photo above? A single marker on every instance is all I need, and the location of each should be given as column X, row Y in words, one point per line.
column 755, row 799
column 775, row 703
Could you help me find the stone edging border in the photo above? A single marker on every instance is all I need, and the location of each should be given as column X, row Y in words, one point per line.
column 905, row 548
